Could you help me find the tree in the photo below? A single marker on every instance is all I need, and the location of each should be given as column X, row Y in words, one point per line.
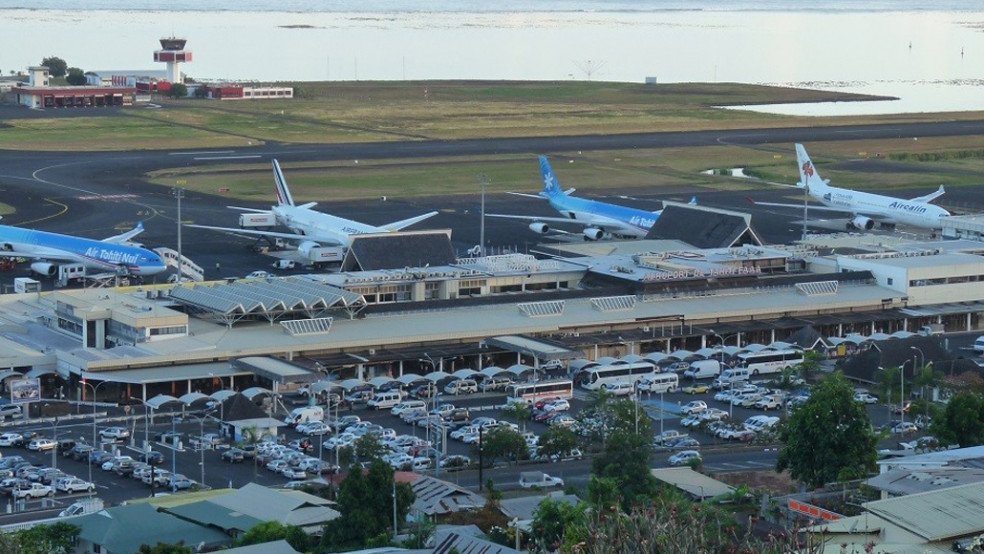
column 556, row 440
column 57, row 538
column 503, row 443
column 368, row 447
column 178, row 90
column 75, row 76
column 962, row 422
column 161, row 548
column 57, row 67
column 549, row 521
column 520, row 412
column 626, row 460
column 829, row 437
column 365, row 500
column 270, row 531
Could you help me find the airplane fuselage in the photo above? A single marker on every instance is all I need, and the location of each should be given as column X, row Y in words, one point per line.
column 620, row 220
column 894, row 210
column 322, row 227
column 94, row 254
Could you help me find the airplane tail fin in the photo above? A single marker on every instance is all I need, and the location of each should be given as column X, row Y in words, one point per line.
column 283, row 193
column 693, row 201
column 809, row 177
column 551, row 187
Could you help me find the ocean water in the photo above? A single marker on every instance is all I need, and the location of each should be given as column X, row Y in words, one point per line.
column 931, row 55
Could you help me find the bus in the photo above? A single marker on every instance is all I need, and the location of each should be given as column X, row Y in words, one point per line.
column 593, row 378
column 769, row 361
column 531, row 392
column 660, row 383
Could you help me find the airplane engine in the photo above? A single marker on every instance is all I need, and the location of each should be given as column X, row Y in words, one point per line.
column 541, row 228
column 593, row 233
column 7, row 247
column 45, row 269
column 862, row 223
column 306, row 247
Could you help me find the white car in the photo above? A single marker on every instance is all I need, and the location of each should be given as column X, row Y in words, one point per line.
column 693, row 407
column 115, row 433
column 865, row 398
column 74, row 484
column 561, row 405
column 904, row 428
column 684, row 457
column 41, row 445
column 619, row 389
column 10, row 410
column 260, row 275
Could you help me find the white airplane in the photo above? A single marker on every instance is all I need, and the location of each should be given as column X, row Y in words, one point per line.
column 865, row 208
column 600, row 219
column 309, row 228
column 115, row 254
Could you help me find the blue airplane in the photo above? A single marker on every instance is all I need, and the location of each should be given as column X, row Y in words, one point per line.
column 600, row 219
column 113, row 254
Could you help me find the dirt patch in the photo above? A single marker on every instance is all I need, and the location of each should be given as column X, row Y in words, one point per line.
column 775, row 484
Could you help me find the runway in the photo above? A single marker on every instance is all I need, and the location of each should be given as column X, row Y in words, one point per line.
column 91, row 193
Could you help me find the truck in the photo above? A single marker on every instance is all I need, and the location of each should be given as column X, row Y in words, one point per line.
column 35, row 490
column 538, row 479
column 703, row 369
column 26, row 284
column 932, row 329
column 258, row 219
column 82, row 507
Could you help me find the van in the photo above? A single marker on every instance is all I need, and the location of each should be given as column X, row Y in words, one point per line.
column 979, row 345
column 703, row 369
column 408, row 405
column 305, row 414
column 384, row 400
column 732, row 375
column 931, row 329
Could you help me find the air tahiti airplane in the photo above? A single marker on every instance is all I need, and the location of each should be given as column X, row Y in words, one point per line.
column 600, row 219
column 309, row 227
column 113, row 254
column 864, row 207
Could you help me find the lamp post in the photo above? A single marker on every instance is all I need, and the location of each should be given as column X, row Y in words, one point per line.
column 179, row 194
column 902, row 387
column 95, row 390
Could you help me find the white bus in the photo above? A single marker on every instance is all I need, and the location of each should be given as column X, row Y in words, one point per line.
column 593, row 378
column 531, row 392
column 660, row 383
column 769, row 361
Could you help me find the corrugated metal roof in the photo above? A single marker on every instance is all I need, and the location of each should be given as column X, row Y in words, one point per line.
column 936, row 515
column 693, row 483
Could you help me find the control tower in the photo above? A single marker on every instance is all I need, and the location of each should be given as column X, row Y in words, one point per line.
column 173, row 53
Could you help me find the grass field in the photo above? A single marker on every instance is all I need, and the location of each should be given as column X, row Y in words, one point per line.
column 388, row 111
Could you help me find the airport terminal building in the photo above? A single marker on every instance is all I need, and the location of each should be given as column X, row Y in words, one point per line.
column 645, row 296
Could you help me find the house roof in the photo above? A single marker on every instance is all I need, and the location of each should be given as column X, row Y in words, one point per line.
column 275, row 547
column 252, row 504
column 238, row 407
column 689, row 481
column 466, row 540
column 936, row 515
column 907, row 481
column 523, row 508
column 126, row 528
column 435, row 496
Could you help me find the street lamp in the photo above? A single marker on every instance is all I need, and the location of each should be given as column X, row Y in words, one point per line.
column 95, row 390
column 922, row 357
column 201, row 441
column 902, row 387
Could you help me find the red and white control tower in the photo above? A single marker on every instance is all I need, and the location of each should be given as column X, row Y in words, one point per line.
column 173, row 53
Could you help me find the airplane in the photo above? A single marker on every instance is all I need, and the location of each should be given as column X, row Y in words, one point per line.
column 865, row 208
column 600, row 219
column 309, row 228
column 113, row 254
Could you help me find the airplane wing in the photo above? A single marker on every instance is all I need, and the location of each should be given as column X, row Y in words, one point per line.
column 397, row 225
column 819, row 208
column 535, row 218
column 931, row 196
column 612, row 226
column 125, row 237
column 272, row 234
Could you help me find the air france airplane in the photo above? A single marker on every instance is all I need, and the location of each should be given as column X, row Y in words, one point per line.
column 865, row 207
column 113, row 254
column 309, row 227
column 600, row 219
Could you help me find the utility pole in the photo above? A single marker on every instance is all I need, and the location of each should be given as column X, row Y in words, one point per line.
column 179, row 194
column 484, row 180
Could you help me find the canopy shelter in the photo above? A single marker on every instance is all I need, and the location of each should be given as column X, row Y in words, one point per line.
column 436, row 376
column 491, row 371
column 377, row 382
column 464, row 373
column 194, row 397
column 539, row 349
column 161, row 400
column 253, row 393
column 221, row 395
column 681, row 355
column 349, row 385
column 409, row 378
column 519, row 370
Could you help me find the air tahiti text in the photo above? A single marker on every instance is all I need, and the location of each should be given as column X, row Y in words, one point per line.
column 111, row 256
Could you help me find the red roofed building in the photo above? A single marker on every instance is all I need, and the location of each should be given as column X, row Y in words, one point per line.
column 39, row 94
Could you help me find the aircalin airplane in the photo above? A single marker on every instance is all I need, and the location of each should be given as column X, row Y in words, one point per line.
column 864, row 207
column 599, row 219
column 112, row 254
column 310, row 227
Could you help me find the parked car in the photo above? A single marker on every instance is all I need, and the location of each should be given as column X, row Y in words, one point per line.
column 538, row 479
column 684, row 457
column 11, row 439
column 461, row 386
column 233, row 455
column 904, row 428
column 180, row 482
column 152, row 457
column 42, row 445
column 34, row 490
column 619, row 389
column 10, row 410
column 865, row 398
column 498, row 382
column 696, row 389
column 75, row 485
column 693, row 406
column 115, row 433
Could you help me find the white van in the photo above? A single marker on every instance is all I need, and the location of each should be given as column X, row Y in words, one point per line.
column 408, row 405
column 732, row 375
column 384, row 400
column 932, row 329
column 979, row 345
column 305, row 414
column 703, row 369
